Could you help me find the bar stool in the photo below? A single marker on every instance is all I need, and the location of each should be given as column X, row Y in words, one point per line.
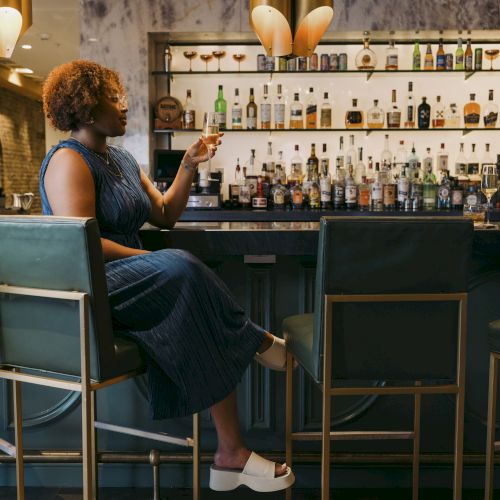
column 378, row 282
column 56, row 331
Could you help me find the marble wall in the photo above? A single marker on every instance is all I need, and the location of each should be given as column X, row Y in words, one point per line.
column 121, row 27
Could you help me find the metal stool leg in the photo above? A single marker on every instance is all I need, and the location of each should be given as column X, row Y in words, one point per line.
column 18, row 427
column 490, row 430
column 289, row 417
column 196, row 456
column 93, row 444
column 416, row 442
column 325, row 449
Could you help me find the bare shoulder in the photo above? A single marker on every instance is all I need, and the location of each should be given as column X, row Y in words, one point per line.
column 66, row 160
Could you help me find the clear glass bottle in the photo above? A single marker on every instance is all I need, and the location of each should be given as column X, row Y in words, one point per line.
column 270, row 161
column 391, row 57
column 338, row 190
column 360, row 170
column 326, row 113
column 350, row 157
column 472, row 113
column 375, row 116
column 401, row 155
column 473, row 162
column 442, row 159
column 394, row 115
column 325, row 180
column 296, row 113
column 354, row 117
column 386, row 155
column 351, row 190
column 377, row 191
column 490, row 112
column 265, row 110
column 340, row 160
column 459, row 55
column 311, row 110
column 279, row 109
column 416, row 57
column 236, row 112
column 188, row 114
column 461, row 163
column 403, row 190
column 366, row 58
column 251, row 112
column 296, row 171
column 410, row 108
column 430, row 190
column 220, row 106
column 452, row 119
column 413, row 163
column 438, row 116
column 487, row 159
column 428, row 162
column 429, row 58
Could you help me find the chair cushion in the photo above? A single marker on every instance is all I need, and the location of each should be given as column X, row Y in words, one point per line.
column 298, row 332
column 494, row 335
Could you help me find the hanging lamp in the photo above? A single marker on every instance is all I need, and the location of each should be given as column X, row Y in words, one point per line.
column 273, row 21
column 15, row 18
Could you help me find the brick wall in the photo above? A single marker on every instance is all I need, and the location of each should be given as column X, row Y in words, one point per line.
column 22, row 145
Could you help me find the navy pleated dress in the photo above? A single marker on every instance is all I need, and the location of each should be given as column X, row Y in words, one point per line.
column 198, row 341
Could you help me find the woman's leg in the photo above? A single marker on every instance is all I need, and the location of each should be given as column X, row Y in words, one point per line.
column 231, row 450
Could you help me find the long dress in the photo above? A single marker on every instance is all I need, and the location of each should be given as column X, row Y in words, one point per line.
column 197, row 340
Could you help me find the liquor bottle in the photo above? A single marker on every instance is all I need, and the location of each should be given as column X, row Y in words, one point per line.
column 279, row 110
column 461, row 163
column 403, row 190
column 260, row 198
column 457, row 195
column 429, row 58
column 391, row 57
column 389, row 191
column 296, row 172
column 410, row 108
column 472, row 113
column 377, row 194
column 220, row 109
column 375, row 116
column 278, row 194
column 459, row 56
column 417, row 191
column 401, row 155
column 236, row 112
column 444, row 192
column 188, row 115
column 313, row 161
column 340, row 158
column 430, row 191
column 297, row 197
column 338, row 189
column 442, row 159
column 473, row 162
column 413, row 162
column 326, row 113
column 424, row 114
column 234, row 189
column 250, row 172
column 244, row 197
column 251, row 112
column 351, row 191
column 438, row 117
column 386, row 155
column 394, row 115
column 366, row 58
column 354, row 116
column 452, row 117
column 487, row 159
column 265, row 110
column 417, row 58
column 296, row 113
column 490, row 112
column 360, row 170
column 265, row 180
column 279, row 169
column 311, row 110
column 428, row 161
column 350, row 157
column 364, row 192
column 325, row 181
column 314, row 193
column 468, row 58
column 440, row 57
column 270, row 162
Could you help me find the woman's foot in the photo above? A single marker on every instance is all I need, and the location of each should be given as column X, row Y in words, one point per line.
column 272, row 353
column 237, row 459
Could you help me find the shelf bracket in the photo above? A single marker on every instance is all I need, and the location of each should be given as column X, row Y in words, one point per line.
column 270, row 76
column 466, row 131
column 368, row 132
column 369, row 75
column 171, row 77
column 468, row 74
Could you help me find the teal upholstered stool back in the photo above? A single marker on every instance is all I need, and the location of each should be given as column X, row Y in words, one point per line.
column 391, row 255
column 57, row 253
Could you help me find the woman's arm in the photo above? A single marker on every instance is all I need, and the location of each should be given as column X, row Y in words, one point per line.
column 70, row 190
column 167, row 208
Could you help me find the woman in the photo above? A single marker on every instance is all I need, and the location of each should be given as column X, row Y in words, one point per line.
column 170, row 303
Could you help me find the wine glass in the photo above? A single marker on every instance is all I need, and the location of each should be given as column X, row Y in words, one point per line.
column 190, row 54
column 239, row 58
column 209, row 136
column 491, row 55
column 206, row 58
column 489, row 186
column 219, row 54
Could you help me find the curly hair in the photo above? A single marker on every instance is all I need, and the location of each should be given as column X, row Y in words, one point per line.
column 72, row 90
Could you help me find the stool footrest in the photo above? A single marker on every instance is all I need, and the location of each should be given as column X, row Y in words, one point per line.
column 354, row 435
column 7, row 448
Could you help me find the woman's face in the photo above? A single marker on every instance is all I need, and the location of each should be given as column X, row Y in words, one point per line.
column 110, row 114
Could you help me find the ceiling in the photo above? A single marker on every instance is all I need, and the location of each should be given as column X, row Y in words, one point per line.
column 60, row 20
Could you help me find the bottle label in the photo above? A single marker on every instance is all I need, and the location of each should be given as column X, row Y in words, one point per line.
column 189, row 119
column 221, row 119
column 490, row 119
column 460, row 168
column 279, row 113
column 389, row 194
column 444, row 193
column 392, row 60
column 393, row 119
column 377, row 191
column 236, row 117
column 350, row 194
column 326, row 118
column 279, row 198
column 442, row 162
column 297, row 197
column 441, row 61
column 471, row 199
column 457, row 197
column 354, row 117
column 403, row 189
column 459, row 61
column 326, row 190
column 265, row 112
column 473, row 168
column 244, row 195
column 416, row 60
column 468, row 63
column 251, row 122
column 296, row 114
column 472, row 118
column 338, row 194
column 364, row 197
column 314, row 196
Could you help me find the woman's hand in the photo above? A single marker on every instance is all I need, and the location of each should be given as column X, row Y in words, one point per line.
column 198, row 152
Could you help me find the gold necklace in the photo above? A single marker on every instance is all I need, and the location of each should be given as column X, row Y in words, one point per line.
column 105, row 158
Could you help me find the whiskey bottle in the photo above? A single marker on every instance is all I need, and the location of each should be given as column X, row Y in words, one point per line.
column 251, row 112
column 394, row 115
column 438, row 118
column 296, row 113
column 410, row 108
column 326, row 113
column 429, row 58
column 440, row 57
column 472, row 113
column 416, row 58
column 279, row 110
column 296, row 172
column 442, row 159
column 452, row 118
column 188, row 115
column 260, row 198
column 354, row 116
column 490, row 112
column 469, row 64
column 314, row 193
column 265, row 110
column 461, row 163
column 313, row 161
column 366, row 58
column 391, row 57
column 364, row 193
column 375, row 116
column 459, row 56
column 297, row 197
column 311, row 110
column 351, row 191
column 236, row 112
column 424, row 114
column 220, row 109
column 325, row 181
column 473, row 162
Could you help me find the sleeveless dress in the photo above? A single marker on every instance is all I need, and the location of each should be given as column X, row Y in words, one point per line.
column 197, row 340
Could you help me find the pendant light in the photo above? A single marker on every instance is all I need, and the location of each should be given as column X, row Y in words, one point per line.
column 273, row 21
column 15, row 19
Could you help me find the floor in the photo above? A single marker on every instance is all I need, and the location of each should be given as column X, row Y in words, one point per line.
column 240, row 494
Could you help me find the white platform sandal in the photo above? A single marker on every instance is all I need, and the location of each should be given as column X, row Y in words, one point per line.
column 274, row 357
column 258, row 475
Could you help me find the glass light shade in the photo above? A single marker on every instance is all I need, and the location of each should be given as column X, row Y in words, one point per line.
column 11, row 22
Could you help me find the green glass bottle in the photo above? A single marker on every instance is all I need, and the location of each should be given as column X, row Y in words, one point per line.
column 417, row 59
column 459, row 55
column 220, row 109
column 430, row 190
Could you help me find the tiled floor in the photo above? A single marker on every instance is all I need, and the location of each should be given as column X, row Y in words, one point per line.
column 240, row 494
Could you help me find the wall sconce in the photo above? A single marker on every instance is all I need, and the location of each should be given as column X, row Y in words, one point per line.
column 15, row 18
column 273, row 20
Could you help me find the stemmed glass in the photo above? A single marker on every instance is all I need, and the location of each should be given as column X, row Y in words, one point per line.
column 209, row 136
column 218, row 54
column 206, row 58
column 491, row 54
column 190, row 54
column 489, row 186
column 239, row 58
